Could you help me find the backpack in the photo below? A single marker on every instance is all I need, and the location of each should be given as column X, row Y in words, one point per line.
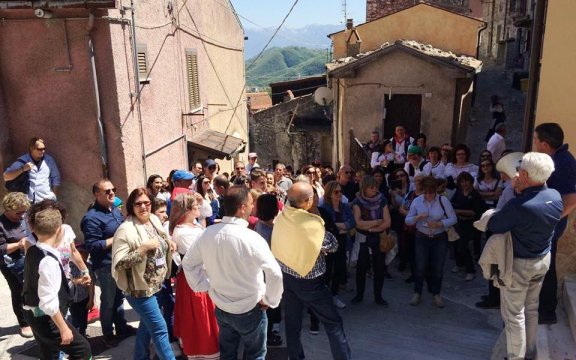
column 411, row 170
column 20, row 183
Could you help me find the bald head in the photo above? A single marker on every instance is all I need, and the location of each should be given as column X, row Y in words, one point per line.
column 300, row 195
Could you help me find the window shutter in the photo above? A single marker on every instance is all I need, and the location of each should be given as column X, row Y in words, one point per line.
column 142, row 58
column 192, row 74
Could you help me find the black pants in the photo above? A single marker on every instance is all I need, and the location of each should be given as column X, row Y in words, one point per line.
column 378, row 264
column 79, row 315
column 15, row 286
column 463, row 256
column 548, row 293
column 336, row 266
column 48, row 337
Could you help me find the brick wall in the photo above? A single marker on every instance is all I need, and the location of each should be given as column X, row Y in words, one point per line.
column 379, row 8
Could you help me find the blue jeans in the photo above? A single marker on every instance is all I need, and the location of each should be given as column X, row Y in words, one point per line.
column 430, row 254
column 152, row 327
column 111, row 303
column 315, row 295
column 166, row 302
column 250, row 327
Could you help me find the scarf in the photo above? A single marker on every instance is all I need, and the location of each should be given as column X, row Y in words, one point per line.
column 297, row 239
column 371, row 208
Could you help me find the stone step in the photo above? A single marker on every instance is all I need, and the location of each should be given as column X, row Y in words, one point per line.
column 569, row 297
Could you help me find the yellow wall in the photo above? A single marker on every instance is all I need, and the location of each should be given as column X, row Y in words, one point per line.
column 423, row 23
column 555, row 102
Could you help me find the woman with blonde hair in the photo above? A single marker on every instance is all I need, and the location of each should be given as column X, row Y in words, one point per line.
column 194, row 320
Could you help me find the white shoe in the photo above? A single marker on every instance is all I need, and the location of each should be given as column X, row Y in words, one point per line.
column 415, row 299
column 339, row 303
column 438, row 302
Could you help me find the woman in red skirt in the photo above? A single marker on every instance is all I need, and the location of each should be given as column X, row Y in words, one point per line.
column 194, row 320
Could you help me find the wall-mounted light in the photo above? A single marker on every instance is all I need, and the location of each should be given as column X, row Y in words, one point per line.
column 43, row 14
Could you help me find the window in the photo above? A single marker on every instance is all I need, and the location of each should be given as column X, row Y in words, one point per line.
column 192, row 74
column 142, row 58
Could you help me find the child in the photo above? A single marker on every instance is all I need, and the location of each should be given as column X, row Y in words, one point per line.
column 82, row 295
column 46, row 293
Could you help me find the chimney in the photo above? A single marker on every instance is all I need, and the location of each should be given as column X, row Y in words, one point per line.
column 349, row 24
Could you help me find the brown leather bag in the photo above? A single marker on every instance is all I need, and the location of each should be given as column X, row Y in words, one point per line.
column 387, row 242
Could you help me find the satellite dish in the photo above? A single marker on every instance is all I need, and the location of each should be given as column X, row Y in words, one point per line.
column 323, row 96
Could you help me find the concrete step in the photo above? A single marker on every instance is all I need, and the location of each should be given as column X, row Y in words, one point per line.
column 555, row 342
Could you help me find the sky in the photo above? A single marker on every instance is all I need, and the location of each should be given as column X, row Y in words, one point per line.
column 269, row 13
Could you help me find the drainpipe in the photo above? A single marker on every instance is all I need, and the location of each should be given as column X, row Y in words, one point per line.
column 137, row 89
column 101, row 129
column 534, row 71
column 491, row 39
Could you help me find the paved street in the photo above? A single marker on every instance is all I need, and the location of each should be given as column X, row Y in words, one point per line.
column 458, row 331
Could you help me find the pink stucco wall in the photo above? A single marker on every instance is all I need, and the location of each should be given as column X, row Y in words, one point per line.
column 36, row 100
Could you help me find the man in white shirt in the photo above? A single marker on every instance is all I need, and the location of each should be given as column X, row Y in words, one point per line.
column 497, row 143
column 230, row 262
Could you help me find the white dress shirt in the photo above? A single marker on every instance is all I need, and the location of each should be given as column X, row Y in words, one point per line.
column 185, row 236
column 230, row 261
column 49, row 281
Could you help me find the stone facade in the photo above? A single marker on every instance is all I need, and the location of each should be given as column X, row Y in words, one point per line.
column 295, row 132
column 379, row 8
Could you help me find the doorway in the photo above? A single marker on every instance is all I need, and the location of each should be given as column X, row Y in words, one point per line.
column 404, row 110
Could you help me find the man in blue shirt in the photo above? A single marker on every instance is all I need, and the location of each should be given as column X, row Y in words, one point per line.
column 99, row 225
column 35, row 173
column 549, row 139
column 530, row 218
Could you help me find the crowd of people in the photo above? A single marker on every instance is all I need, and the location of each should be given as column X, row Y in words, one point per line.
column 207, row 259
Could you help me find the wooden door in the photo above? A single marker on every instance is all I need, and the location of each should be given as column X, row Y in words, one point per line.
column 402, row 109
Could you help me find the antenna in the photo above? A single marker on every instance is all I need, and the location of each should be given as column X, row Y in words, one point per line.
column 344, row 10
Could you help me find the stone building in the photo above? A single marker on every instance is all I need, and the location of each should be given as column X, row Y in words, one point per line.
column 296, row 132
column 121, row 92
column 414, row 67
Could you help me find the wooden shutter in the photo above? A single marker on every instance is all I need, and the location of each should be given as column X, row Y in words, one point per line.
column 192, row 74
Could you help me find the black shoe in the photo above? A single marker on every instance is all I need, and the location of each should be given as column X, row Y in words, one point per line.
column 109, row 341
column 274, row 339
column 387, row 275
column 409, row 280
column 401, row 266
column 356, row 300
column 381, row 302
column 126, row 332
column 314, row 329
column 485, row 304
column 547, row 320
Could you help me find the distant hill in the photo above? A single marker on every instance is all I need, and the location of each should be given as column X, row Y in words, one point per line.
column 311, row 36
column 283, row 64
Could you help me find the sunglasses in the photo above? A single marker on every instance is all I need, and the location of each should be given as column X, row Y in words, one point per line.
column 110, row 191
column 212, row 167
column 41, row 149
column 337, row 192
column 239, row 168
column 310, row 172
column 140, row 203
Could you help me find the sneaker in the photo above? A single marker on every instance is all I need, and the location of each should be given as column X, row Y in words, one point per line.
column 338, row 303
column 26, row 332
column 415, row 301
column 438, row 302
column 487, row 304
column 314, row 329
column 470, row 277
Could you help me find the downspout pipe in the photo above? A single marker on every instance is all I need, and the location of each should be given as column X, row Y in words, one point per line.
column 137, row 89
column 101, row 128
column 534, row 71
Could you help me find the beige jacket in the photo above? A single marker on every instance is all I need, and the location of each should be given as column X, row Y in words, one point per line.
column 127, row 239
column 498, row 255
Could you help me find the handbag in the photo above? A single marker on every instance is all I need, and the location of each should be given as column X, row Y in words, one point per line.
column 387, row 242
column 451, row 231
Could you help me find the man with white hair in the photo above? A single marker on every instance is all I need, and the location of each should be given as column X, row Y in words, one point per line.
column 530, row 218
